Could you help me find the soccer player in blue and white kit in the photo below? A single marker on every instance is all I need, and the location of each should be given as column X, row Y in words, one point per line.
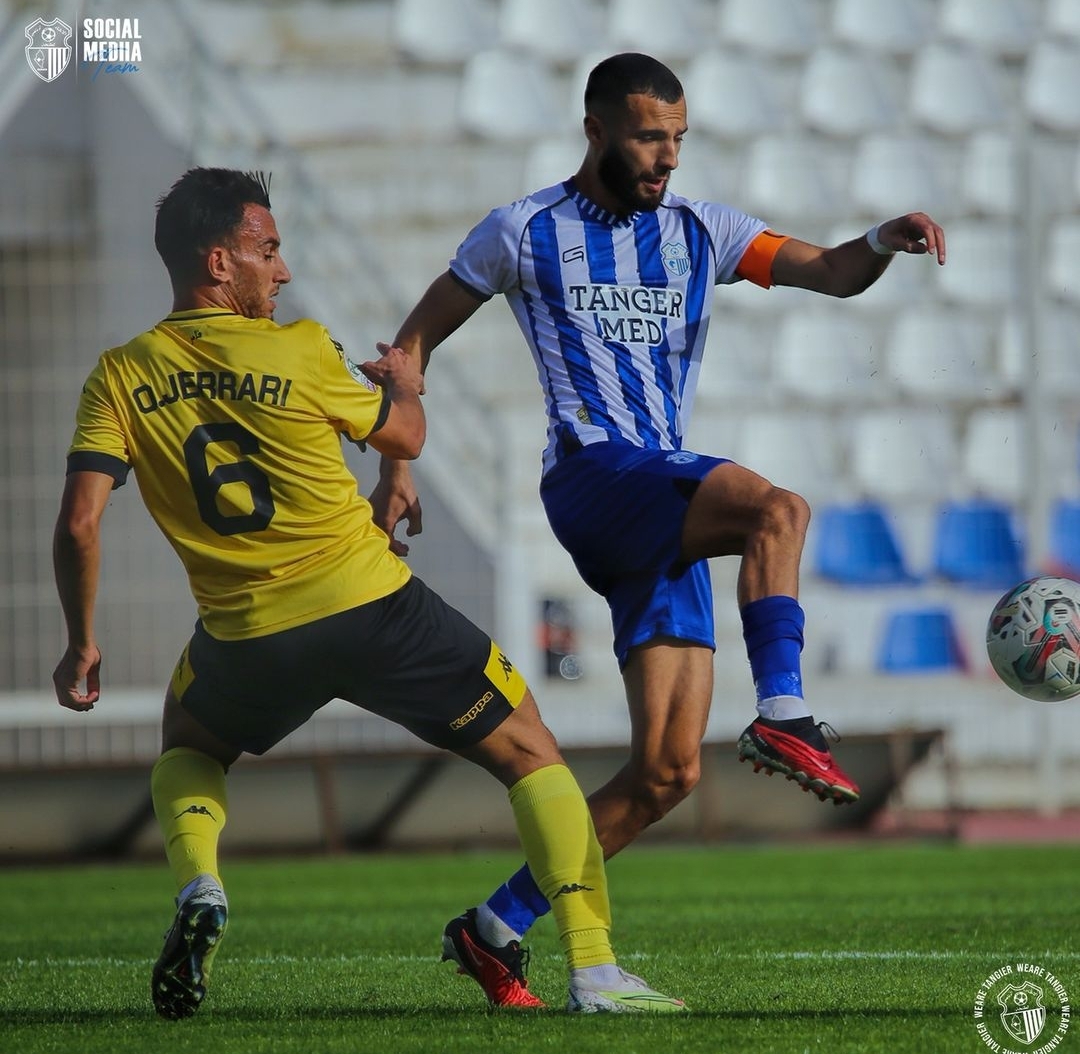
column 610, row 276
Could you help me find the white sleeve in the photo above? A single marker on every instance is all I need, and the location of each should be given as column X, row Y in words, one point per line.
column 486, row 261
column 731, row 231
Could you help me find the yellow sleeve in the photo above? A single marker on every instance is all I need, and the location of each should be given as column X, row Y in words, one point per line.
column 100, row 443
column 357, row 405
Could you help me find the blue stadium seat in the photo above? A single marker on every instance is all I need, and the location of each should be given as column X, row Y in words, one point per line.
column 978, row 543
column 1064, row 554
column 921, row 640
column 856, row 546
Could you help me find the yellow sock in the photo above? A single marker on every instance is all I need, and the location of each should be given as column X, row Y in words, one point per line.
column 566, row 861
column 188, row 788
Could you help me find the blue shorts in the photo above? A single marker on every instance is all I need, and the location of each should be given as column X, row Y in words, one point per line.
column 618, row 511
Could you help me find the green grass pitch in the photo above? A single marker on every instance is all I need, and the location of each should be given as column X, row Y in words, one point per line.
column 795, row 950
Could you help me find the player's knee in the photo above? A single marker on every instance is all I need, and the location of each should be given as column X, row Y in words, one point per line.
column 785, row 514
column 661, row 787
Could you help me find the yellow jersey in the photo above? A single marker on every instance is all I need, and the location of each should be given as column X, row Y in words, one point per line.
column 233, row 428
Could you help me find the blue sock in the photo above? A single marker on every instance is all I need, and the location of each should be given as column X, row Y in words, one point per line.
column 773, row 631
column 519, row 903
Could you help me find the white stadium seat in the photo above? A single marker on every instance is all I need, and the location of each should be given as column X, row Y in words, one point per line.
column 776, row 27
column 999, row 27
column 672, row 33
column 560, row 31
column 847, row 92
column 904, row 453
column 796, row 176
column 830, row 356
column 956, row 90
column 1062, row 272
column 893, row 173
column 733, row 94
column 551, row 161
column 988, row 173
column 442, row 31
column 1061, row 18
column 510, row 97
column 898, row 27
column 984, row 263
column 993, row 452
column 937, row 354
column 1052, row 86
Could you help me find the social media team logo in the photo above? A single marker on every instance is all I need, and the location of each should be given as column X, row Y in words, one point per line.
column 1022, row 1008
column 49, row 50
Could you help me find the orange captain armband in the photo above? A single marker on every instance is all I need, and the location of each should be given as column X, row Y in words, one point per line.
column 756, row 263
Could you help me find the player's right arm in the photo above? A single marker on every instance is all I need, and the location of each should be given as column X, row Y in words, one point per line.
column 445, row 307
column 76, row 563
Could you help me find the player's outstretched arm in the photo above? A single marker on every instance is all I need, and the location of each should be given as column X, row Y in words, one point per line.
column 76, row 563
column 853, row 266
column 403, row 432
column 395, row 499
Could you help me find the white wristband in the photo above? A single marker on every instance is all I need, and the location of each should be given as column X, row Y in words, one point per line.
column 876, row 244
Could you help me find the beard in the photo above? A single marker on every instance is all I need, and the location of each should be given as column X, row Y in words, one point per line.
column 624, row 183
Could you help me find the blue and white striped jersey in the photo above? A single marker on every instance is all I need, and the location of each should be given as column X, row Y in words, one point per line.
column 615, row 309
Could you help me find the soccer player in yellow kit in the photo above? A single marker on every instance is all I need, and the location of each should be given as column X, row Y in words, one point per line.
column 233, row 426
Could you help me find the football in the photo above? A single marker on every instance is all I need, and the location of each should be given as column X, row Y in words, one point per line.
column 1033, row 639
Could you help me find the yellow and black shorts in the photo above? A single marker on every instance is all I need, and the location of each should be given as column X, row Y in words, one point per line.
column 408, row 657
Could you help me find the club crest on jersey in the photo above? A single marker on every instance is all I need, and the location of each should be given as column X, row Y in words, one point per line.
column 676, row 258
column 48, row 52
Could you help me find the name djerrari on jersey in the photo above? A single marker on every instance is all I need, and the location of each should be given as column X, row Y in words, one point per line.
column 615, row 309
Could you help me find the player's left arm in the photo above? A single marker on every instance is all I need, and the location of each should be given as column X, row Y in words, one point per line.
column 849, row 268
column 76, row 564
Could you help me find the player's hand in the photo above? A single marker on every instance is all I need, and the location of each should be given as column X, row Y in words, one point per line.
column 395, row 499
column 396, row 370
column 78, row 667
column 914, row 233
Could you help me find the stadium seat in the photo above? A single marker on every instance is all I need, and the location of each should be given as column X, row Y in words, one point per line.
column 830, row 356
column 796, row 176
column 846, row 93
column 898, row 27
column 956, row 90
column 904, row 454
column 994, row 453
column 558, row 31
column 776, row 27
column 921, row 640
column 1063, row 556
column 988, row 174
column 737, row 364
column 715, row 78
column 1061, row 18
column 1046, row 359
column 444, row 31
column 798, row 450
column 941, row 354
column 892, row 174
column 673, row 34
column 977, row 543
column 1063, row 251
column 855, row 545
column 998, row 27
column 984, row 264
column 509, row 97
column 1052, row 86
column 552, row 160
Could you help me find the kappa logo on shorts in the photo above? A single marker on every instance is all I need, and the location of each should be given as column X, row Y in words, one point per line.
column 473, row 712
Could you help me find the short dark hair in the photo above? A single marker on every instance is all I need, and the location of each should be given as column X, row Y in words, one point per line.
column 203, row 208
column 630, row 73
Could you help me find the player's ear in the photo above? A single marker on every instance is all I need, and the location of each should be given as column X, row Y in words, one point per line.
column 594, row 129
column 218, row 264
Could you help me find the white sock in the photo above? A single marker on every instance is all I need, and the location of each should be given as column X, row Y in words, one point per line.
column 493, row 929
column 783, row 708
column 205, row 886
column 605, row 977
